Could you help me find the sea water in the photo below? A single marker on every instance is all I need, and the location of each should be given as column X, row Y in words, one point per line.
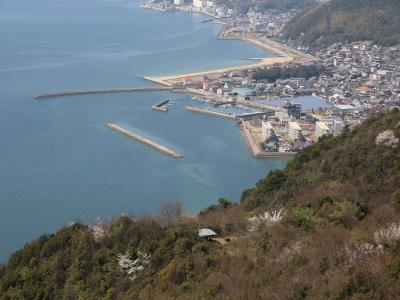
column 58, row 160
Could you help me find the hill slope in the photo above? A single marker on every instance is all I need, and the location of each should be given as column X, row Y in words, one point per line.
column 347, row 21
column 335, row 235
column 243, row 6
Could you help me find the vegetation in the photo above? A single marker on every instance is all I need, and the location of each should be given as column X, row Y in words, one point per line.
column 347, row 21
column 284, row 5
column 274, row 73
column 336, row 236
column 243, row 6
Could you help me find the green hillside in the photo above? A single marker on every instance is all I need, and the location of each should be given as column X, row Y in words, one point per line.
column 243, row 6
column 347, row 21
column 335, row 235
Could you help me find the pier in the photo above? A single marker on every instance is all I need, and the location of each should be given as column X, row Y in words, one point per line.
column 209, row 112
column 101, row 91
column 162, row 106
column 144, row 140
column 254, row 114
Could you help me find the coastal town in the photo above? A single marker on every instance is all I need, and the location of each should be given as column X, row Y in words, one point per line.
column 347, row 82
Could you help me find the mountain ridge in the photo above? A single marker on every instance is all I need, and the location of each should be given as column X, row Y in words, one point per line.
column 346, row 21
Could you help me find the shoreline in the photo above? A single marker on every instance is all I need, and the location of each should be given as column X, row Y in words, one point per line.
column 284, row 55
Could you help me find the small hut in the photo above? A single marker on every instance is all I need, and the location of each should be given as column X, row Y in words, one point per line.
column 206, row 233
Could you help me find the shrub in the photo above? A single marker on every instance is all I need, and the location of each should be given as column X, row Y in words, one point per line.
column 303, row 217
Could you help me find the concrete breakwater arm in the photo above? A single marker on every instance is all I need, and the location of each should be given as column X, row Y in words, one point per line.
column 101, row 91
column 144, row 140
column 162, row 106
column 209, row 112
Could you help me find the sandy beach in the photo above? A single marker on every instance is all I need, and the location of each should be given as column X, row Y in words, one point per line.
column 284, row 55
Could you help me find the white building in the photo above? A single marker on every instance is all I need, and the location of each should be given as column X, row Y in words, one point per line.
column 199, row 3
column 283, row 117
column 210, row 3
column 294, row 131
column 267, row 130
column 321, row 129
column 336, row 127
column 179, row 2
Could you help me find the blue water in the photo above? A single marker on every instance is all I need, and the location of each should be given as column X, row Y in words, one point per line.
column 307, row 102
column 58, row 160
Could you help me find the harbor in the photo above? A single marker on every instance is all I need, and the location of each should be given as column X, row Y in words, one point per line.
column 144, row 140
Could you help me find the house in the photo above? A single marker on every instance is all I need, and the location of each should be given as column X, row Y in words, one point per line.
column 294, row 131
column 321, row 129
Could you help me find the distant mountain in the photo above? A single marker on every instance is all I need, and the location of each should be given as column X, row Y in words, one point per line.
column 325, row 227
column 347, row 21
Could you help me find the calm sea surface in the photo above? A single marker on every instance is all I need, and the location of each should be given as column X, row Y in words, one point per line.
column 58, row 160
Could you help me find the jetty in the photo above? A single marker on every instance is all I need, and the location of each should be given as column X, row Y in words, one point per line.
column 144, row 140
column 162, row 106
column 101, row 91
column 209, row 112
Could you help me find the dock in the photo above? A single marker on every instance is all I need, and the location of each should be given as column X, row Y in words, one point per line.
column 101, row 91
column 162, row 106
column 209, row 112
column 144, row 140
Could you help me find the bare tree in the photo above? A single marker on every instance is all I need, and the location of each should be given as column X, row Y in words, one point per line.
column 170, row 212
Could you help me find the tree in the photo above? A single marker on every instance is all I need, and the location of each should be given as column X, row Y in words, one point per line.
column 170, row 212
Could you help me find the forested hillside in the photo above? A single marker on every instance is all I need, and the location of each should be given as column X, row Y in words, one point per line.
column 325, row 227
column 347, row 21
column 260, row 5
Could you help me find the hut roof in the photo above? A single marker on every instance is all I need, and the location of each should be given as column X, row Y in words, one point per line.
column 205, row 232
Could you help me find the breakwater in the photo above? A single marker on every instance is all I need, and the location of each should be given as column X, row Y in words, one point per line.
column 162, row 106
column 101, row 91
column 209, row 112
column 144, row 140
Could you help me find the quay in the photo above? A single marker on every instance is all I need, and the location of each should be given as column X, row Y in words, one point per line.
column 101, row 91
column 224, row 103
column 255, row 150
column 144, row 140
column 209, row 112
column 162, row 106
column 254, row 114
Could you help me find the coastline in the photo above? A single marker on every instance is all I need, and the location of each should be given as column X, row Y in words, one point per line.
column 284, row 55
